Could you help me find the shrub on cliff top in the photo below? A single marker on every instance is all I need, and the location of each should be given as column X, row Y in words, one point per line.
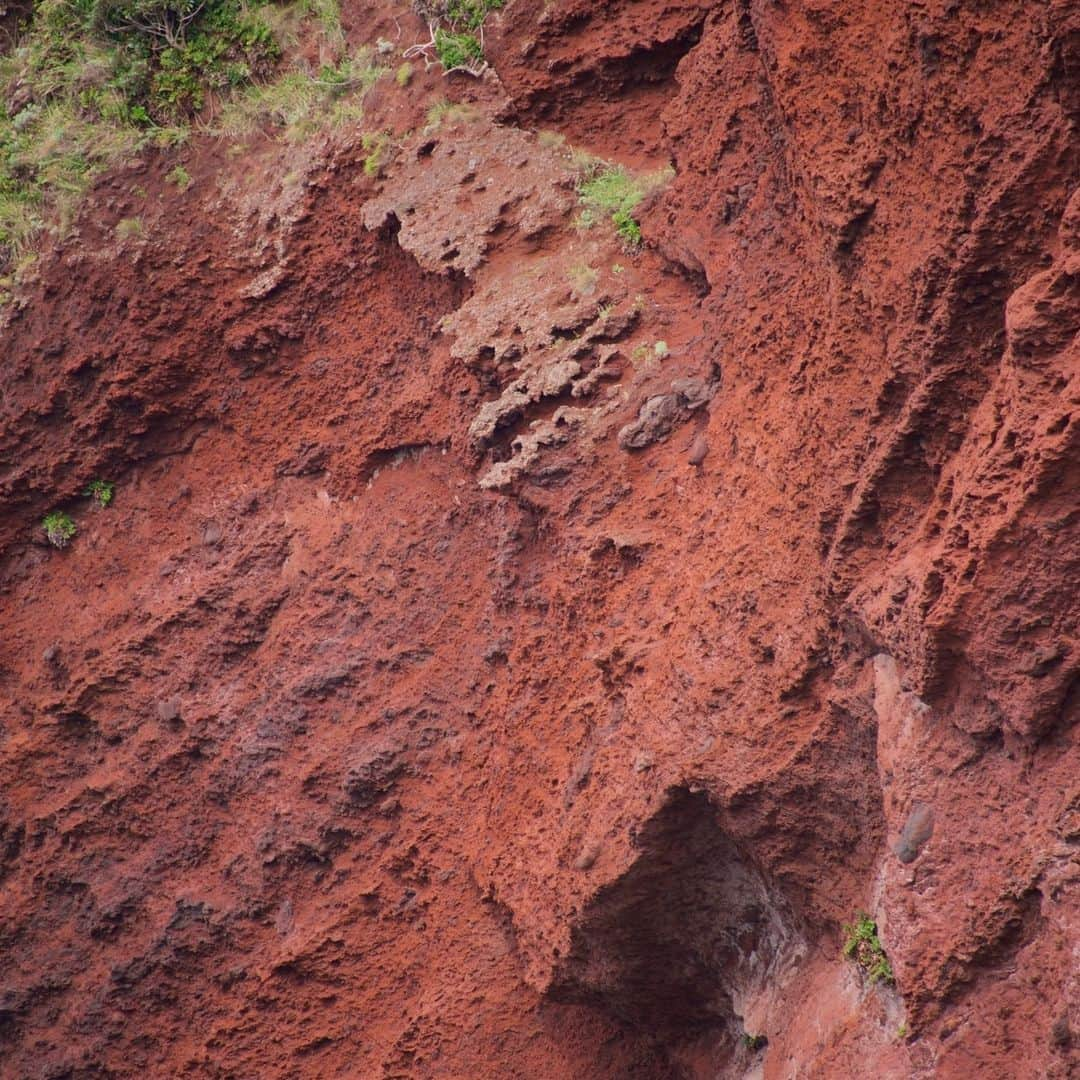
column 466, row 14
column 457, row 33
column 91, row 82
column 458, row 52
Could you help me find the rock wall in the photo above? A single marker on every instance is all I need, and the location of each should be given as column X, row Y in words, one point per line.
column 510, row 655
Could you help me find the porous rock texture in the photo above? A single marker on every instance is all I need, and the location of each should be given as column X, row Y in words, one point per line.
column 399, row 719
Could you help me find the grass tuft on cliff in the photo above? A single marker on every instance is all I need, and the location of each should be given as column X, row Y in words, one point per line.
column 609, row 191
column 300, row 102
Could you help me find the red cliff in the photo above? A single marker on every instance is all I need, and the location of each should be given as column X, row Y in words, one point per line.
column 510, row 655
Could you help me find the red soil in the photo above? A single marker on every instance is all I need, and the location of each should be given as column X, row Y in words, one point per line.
column 319, row 759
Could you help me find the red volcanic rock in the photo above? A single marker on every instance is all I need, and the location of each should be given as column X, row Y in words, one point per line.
column 395, row 721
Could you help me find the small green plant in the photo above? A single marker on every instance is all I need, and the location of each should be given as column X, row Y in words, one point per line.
column 458, row 52
column 180, row 177
column 456, row 29
column 444, row 111
column 101, row 491
column 59, row 528
column 627, row 227
column 753, row 1043
column 902, row 1031
column 403, row 75
column 377, row 145
column 660, row 350
column 583, row 278
column 129, row 228
column 618, row 268
column 611, row 192
column 862, row 944
column 551, row 140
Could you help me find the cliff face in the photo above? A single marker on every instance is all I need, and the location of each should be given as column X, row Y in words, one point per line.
column 508, row 655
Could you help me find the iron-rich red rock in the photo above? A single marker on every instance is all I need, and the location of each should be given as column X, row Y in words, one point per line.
column 505, row 752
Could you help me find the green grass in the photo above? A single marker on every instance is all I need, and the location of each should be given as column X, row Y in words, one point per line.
column 457, row 29
column 609, row 191
column 378, row 147
column 49, row 154
column 180, row 177
column 87, row 86
column 612, row 192
column 301, row 102
column 862, row 944
column 448, row 111
column 129, row 228
column 471, row 13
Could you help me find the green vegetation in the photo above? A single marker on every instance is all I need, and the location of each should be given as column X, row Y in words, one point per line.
column 443, row 111
column 612, row 192
column 299, row 102
column 457, row 33
column 862, row 944
column 403, row 75
column 471, row 13
column 583, row 278
column 59, row 528
column 92, row 82
column 753, row 1043
column 180, row 177
column 129, row 228
column 609, row 191
column 378, row 148
column 101, row 491
column 458, row 52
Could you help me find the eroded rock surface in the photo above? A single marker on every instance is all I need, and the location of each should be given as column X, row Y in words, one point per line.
column 396, row 721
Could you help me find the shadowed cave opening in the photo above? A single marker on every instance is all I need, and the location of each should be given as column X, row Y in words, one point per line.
column 680, row 941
